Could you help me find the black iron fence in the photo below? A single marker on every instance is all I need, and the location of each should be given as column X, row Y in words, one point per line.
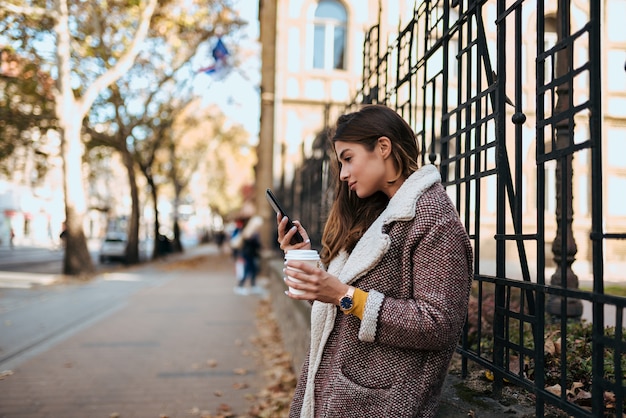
column 502, row 104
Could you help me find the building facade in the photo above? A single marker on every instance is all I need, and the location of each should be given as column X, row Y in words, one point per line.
column 316, row 69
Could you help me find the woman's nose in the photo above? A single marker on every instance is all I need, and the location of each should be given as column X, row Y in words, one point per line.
column 343, row 174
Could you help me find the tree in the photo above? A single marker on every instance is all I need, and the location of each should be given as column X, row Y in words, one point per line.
column 134, row 114
column 202, row 159
column 26, row 114
column 80, row 78
column 203, row 144
column 226, row 165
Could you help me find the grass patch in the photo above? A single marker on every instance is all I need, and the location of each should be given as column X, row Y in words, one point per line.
column 613, row 290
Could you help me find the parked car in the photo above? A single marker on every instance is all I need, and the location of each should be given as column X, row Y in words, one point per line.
column 113, row 247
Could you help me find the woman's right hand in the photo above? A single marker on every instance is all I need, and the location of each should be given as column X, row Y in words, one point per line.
column 284, row 238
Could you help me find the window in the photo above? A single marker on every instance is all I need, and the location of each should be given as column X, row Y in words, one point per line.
column 616, row 58
column 329, row 36
column 616, row 201
column 615, row 146
column 615, row 11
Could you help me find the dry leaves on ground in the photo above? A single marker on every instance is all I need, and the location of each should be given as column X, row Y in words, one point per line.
column 274, row 400
column 187, row 263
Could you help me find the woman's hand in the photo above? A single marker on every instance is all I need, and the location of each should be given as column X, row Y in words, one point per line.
column 284, row 238
column 316, row 283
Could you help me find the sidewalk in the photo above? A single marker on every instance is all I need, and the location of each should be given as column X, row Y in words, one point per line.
column 184, row 348
column 179, row 349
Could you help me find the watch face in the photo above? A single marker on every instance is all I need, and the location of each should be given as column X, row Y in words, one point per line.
column 345, row 303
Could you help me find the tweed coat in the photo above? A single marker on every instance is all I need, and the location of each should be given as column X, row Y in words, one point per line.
column 416, row 263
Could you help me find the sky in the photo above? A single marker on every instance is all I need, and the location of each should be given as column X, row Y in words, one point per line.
column 236, row 92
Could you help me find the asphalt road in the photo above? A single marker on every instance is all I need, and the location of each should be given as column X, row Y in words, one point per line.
column 33, row 318
column 38, row 305
column 31, row 259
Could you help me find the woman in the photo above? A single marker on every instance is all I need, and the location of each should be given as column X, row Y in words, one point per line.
column 388, row 310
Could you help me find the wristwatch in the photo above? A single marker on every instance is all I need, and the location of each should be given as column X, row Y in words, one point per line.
column 346, row 303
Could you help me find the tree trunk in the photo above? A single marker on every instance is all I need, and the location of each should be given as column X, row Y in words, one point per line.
column 77, row 260
column 132, row 246
column 70, row 112
column 177, row 246
column 158, row 249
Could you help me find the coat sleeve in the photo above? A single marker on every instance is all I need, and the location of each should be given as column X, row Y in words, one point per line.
column 433, row 317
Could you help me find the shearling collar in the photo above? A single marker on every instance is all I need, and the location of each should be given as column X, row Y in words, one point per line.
column 374, row 244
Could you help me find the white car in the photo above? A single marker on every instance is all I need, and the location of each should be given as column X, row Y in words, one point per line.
column 113, row 247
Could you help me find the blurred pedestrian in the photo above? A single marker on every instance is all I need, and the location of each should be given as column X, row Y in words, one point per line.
column 389, row 307
column 236, row 243
column 251, row 254
column 12, row 238
column 220, row 237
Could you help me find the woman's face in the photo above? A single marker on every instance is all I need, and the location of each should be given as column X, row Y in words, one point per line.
column 365, row 171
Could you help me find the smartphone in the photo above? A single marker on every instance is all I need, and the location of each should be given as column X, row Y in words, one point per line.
column 297, row 238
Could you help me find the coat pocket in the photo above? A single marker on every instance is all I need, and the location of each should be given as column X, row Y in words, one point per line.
column 347, row 398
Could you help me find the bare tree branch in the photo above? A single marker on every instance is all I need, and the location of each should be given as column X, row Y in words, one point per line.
column 30, row 11
column 124, row 64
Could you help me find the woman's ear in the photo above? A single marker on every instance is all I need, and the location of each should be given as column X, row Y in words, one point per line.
column 384, row 145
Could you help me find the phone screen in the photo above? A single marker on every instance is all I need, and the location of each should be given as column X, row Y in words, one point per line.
column 273, row 201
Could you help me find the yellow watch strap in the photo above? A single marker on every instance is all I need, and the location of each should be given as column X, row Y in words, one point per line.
column 358, row 303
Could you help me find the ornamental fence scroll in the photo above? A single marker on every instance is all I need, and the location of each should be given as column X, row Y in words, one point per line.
column 503, row 113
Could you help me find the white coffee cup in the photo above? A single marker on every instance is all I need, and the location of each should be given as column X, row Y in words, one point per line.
column 309, row 256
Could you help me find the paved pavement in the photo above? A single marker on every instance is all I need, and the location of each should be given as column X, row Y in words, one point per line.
column 181, row 348
column 175, row 350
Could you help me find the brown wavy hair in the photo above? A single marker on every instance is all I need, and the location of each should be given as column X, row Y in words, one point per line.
column 350, row 216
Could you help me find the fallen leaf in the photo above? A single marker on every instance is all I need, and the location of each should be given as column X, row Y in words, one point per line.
column 6, row 373
column 609, row 396
column 239, row 386
column 555, row 390
column 218, row 393
column 224, row 411
column 577, row 385
column 240, row 372
column 583, row 394
column 557, row 347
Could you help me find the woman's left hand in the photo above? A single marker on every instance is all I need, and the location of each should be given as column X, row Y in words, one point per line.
column 316, row 283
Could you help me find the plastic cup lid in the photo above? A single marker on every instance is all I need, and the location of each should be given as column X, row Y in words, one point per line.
column 302, row 255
